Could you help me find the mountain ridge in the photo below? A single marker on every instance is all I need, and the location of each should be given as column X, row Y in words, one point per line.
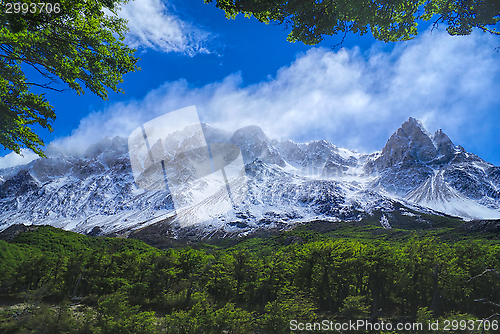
column 288, row 183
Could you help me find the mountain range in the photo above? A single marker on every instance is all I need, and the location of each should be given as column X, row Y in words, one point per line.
column 415, row 177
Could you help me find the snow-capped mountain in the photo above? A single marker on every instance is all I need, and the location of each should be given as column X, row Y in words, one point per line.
column 415, row 174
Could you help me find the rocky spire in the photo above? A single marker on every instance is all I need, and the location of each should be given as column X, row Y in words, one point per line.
column 254, row 144
column 444, row 145
column 411, row 142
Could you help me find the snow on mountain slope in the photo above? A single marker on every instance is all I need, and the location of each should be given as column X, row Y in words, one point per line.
column 437, row 194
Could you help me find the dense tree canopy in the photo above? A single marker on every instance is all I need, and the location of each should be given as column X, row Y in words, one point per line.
column 74, row 43
column 256, row 285
column 387, row 20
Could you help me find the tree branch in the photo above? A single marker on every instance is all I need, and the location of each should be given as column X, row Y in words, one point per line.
column 486, row 301
column 435, row 24
column 47, row 86
column 483, row 273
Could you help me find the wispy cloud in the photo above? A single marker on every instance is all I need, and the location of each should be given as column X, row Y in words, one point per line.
column 352, row 99
column 154, row 24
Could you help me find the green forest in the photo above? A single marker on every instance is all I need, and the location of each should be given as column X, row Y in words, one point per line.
column 55, row 281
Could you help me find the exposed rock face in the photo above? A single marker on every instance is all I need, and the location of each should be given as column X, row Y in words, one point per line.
column 12, row 231
column 444, row 146
column 411, row 144
column 406, row 159
column 18, row 185
column 494, row 175
column 255, row 144
column 482, row 226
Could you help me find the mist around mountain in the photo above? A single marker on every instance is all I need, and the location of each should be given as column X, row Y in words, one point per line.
column 417, row 178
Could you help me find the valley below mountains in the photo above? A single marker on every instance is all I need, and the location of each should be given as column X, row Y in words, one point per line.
column 419, row 180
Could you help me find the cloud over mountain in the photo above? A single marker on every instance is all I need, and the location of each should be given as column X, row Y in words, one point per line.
column 353, row 99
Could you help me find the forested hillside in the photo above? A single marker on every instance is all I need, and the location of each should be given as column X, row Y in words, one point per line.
column 54, row 281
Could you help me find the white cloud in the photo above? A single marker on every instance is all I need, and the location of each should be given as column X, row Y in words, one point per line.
column 352, row 99
column 153, row 24
column 14, row 159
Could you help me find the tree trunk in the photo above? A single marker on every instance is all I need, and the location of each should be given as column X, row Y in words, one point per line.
column 435, row 305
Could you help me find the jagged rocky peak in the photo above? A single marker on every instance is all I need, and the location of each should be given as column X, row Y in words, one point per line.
column 251, row 132
column 108, row 147
column 54, row 151
column 254, row 144
column 322, row 147
column 214, row 135
column 291, row 150
column 323, row 153
column 19, row 184
column 444, row 145
column 412, row 143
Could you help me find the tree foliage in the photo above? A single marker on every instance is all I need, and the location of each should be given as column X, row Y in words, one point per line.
column 387, row 20
column 79, row 47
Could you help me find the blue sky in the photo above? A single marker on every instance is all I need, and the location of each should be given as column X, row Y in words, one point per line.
column 241, row 72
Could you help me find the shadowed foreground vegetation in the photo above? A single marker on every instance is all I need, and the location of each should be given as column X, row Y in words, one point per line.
column 54, row 281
